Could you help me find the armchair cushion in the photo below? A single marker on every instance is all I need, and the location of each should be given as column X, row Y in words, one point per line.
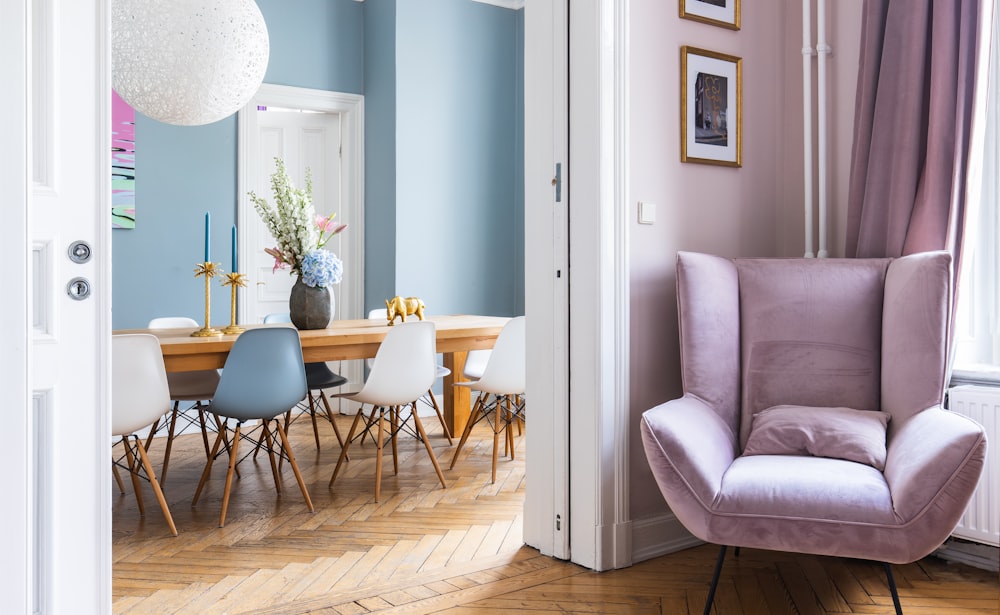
column 839, row 433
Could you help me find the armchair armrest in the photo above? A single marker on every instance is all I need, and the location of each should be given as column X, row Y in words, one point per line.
column 689, row 448
column 932, row 452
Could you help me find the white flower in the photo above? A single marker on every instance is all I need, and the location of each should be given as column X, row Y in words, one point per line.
column 293, row 222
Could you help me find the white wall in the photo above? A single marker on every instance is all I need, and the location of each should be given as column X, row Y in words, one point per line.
column 755, row 210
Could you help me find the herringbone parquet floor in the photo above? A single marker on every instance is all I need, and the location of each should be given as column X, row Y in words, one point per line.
column 424, row 549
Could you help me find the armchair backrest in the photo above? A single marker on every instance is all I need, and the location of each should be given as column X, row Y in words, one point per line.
column 868, row 334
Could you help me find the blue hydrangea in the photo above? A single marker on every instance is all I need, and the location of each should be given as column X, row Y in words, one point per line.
column 321, row 268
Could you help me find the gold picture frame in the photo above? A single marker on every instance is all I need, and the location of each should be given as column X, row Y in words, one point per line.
column 724, row 13
column 711, row 107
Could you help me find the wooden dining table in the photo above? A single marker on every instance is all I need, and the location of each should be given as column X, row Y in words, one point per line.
column 348, row 339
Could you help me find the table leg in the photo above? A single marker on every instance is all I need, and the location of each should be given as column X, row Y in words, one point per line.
column 457, row 400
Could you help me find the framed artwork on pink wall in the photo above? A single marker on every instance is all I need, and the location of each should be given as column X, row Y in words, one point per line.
column 711, row 107
column 724, row 13
column 122, row 163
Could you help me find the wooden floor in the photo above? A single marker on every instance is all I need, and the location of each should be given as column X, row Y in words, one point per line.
column 424, row 549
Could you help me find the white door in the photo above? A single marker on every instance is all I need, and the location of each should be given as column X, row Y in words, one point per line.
column 546, row 507
column 303, row 140
column 55, row 147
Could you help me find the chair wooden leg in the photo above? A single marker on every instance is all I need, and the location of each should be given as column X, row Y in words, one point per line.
column 204, row 428
column 233, row 457
column 437, row 409
column 715, row 580
column 378, row 453
column 156, row 489
column 496, row 436
column 152, row 432
column 333, row 423
column 312, row 416
column 476, row 408
column 892, row 588
column 170, row 442
column 347, row 444
column 269, row 441
column 118, row 478
column 223, row 429
column 114, row 472
column 132, row 471
column 393, row 433
column 427, row 445
column 295, row 466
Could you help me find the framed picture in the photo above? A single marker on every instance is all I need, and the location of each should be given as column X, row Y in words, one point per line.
column 711, row 107
column 725, row 13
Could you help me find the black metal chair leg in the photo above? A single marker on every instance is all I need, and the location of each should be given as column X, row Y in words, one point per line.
column 715, row 580
column 892, row 588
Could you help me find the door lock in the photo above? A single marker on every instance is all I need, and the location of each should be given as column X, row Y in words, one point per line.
column 78, row 289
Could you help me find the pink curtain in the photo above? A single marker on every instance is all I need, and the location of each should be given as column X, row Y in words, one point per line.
column 913, row 119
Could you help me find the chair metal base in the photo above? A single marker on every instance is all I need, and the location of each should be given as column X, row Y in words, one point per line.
column 722, row 556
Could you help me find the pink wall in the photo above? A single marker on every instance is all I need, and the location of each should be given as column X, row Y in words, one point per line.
column 752, row 211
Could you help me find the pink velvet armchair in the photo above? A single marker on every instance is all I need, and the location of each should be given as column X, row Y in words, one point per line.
column 811, row 419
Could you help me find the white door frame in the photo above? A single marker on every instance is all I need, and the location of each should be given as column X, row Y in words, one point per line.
column 579, row 450
column 600, row 433
column 351, row 108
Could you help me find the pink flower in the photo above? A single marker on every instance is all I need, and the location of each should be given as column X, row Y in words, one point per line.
column 325, row 223
column 279, row 259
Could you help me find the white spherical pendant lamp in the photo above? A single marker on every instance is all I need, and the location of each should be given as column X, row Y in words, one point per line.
column 188, row 62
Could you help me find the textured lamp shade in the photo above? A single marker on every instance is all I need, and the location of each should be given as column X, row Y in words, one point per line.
column 188, row 62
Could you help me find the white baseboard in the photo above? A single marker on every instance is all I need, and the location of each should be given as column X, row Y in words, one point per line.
column 659, row 535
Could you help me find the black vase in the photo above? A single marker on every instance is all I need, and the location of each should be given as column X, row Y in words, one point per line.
column 311, row 307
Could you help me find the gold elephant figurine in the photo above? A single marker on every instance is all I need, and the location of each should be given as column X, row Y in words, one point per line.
column 398, row 306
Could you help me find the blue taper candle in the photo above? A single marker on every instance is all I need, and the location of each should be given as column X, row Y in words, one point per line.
column 234, row 249
column 208, row 224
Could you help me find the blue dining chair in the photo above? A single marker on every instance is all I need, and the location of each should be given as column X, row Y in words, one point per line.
column 263, row 377
column 319, row 377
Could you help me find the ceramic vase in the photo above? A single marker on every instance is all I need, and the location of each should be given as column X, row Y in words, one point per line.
column 311, row 307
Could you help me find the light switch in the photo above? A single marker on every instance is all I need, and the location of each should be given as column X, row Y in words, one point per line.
column 647, row 212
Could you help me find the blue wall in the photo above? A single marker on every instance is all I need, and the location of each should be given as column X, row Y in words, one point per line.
column 380, row 151
column 349, row 46
column 184, row 171
column 459, row 157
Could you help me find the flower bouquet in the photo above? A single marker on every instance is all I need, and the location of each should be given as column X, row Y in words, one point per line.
column 300, row 233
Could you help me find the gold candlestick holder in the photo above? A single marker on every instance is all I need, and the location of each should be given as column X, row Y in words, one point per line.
column 208, row 270
column 233, row 281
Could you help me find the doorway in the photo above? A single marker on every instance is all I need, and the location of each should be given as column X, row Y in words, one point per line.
column 322, row 131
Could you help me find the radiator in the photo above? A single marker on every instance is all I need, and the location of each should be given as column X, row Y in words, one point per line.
column 981, row 521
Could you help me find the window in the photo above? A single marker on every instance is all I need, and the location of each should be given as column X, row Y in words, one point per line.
column 977, row 318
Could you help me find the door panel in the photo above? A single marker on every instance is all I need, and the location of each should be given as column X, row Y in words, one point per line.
column 303, row 141
column 56, row 463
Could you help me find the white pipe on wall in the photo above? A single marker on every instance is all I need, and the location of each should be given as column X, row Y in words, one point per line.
column 807, row 146
column 823, row 52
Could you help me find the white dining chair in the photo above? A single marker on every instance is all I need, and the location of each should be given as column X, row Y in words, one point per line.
column 501, row 390
column 428, row 399
column 402, row 371
column 139, row 395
